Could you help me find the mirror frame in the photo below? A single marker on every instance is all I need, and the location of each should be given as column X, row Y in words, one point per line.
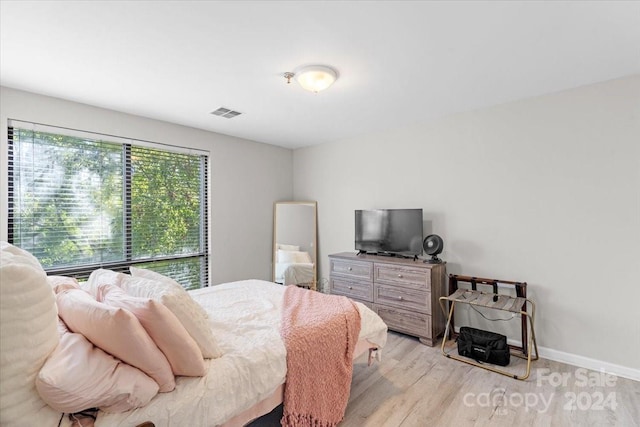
column 314, row 256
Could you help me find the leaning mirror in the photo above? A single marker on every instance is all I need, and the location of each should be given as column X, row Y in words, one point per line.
column 294, row 243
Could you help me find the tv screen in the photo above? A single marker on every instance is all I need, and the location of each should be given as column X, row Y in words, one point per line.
column 392, row 231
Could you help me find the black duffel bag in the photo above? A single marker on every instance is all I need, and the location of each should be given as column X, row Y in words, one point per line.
column 483, row 346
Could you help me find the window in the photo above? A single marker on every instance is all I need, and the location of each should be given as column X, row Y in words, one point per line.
column 80, row 201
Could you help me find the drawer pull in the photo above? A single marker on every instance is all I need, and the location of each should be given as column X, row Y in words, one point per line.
column 400, row 298
column 350, row 287
column 349, row 268
column 400, row 276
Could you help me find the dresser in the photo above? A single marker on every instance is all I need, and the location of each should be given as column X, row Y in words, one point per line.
column 404, row 292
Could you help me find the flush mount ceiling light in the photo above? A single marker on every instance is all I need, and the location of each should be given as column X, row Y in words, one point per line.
column 313, row 78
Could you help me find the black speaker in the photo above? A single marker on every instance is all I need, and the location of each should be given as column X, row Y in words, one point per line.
column 433, row 245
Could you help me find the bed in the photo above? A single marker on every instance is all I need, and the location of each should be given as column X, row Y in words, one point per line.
column 241, row 385
column 299, row 274
column 293, row 266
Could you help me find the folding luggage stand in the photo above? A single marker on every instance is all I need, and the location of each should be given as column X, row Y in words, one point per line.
column 474, row 297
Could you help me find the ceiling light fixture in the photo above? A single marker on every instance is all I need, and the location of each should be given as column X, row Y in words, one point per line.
column 313, row 78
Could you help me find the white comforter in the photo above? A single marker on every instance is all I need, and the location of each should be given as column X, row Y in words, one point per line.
column 294, row 274
column 245, row 318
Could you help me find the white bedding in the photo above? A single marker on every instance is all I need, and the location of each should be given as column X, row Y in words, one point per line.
column 294, row 273
column 253, row 364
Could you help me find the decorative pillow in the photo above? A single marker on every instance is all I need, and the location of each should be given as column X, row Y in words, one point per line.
column 100, row 277
column 27, row 336
column 163, row 327
column 62, row 283
column 78, row 376
column 116, row 331
column 285, row 248
column 293, row 257
column 149, row 284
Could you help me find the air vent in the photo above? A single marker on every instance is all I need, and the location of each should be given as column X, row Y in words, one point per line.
column 226, row 113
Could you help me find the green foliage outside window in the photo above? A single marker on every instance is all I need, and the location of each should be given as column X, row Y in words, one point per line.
column 83, row 202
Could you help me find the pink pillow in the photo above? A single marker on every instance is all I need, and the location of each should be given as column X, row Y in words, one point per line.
column 100, row 277
column 116, row 331
column 163, row 327
column 149, row 284
column 61, row 283
column 77, row 376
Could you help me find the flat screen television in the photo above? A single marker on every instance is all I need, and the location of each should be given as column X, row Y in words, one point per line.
column 389, row 231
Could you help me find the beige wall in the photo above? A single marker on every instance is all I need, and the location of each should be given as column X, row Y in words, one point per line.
column 246, row 177
column 544, row 190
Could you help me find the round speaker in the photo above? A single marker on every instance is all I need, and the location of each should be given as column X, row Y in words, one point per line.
column 433, row 245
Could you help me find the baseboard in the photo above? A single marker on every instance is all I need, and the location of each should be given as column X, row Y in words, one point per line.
column 584, row 362
column 587, row 362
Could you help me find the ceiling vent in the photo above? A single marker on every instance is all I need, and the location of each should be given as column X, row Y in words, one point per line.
column 226, row 113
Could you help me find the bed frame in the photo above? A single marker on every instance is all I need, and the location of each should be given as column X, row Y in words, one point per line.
column 277, row 397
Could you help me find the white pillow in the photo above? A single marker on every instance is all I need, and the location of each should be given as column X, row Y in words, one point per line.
column 102, row 277
column 149, row 284
column 293, row 257
column 288, row 247
column 285, row 248
column 28, row 335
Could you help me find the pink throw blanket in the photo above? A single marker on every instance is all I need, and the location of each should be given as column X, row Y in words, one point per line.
column 320, row 333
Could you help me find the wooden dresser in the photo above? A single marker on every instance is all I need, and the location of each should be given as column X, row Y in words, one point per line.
column 402, row 291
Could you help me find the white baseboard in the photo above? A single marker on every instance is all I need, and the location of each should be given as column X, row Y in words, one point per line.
column 584, row 362
column 587, row 362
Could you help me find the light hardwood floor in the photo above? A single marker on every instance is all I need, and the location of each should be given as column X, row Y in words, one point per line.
column 415, row 385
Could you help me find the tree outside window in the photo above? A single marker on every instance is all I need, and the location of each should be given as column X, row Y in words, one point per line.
column 79, row 203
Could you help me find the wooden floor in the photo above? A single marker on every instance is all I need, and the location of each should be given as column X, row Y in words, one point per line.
column 416, row 385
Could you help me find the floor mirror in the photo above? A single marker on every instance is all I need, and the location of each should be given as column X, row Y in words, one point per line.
column 294, row 244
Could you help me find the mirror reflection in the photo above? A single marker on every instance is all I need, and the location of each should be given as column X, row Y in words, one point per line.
column 294, row 243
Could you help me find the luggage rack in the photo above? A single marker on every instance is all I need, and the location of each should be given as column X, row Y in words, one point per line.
column 518, row 305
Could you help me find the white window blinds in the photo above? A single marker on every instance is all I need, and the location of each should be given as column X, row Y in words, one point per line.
column 80, row 201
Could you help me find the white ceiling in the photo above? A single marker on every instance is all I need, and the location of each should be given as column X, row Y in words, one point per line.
column 399, row 62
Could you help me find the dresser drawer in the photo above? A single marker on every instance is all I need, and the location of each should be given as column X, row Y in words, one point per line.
column 357, row 290
column 409, row 322
column 353, row 269
column 408, row 277
column 403, row 298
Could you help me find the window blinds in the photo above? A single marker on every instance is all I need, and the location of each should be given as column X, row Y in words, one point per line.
column 80, row 201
